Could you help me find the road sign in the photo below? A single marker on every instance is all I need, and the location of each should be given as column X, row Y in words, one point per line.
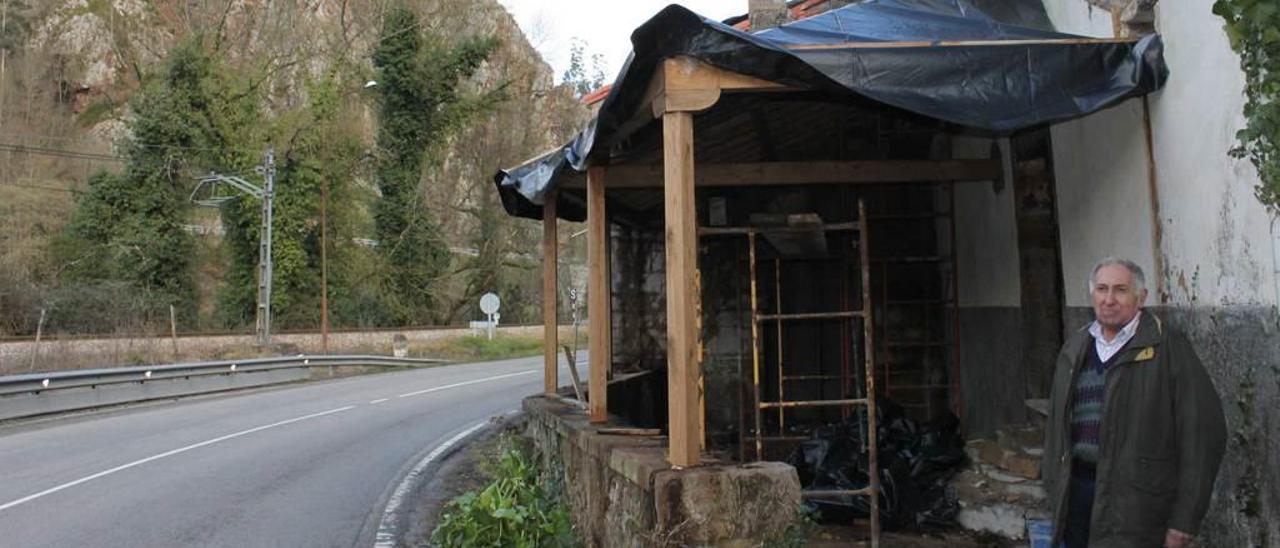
column 489, row 303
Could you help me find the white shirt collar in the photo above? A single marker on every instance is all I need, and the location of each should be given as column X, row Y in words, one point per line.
column 1108, row 349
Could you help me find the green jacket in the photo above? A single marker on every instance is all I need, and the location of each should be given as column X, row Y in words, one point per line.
column 1161, row 440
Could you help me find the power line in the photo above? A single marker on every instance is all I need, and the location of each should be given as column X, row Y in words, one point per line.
column 43, row 151
column 36, row 136
column 41, row 187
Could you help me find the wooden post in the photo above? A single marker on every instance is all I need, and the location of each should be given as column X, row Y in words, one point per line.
column 683, row 367
column 35, row 348
column 598, row 308
column 173, row 331
column 550, row 325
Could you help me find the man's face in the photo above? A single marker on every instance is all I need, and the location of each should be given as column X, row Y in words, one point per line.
column 1115, row 298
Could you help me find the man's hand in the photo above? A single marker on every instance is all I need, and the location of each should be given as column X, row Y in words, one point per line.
column 1174, row 538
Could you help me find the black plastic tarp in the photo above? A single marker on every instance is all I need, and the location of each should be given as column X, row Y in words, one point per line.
column 956, row 64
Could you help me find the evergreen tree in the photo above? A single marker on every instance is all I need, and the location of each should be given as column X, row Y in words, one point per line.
column 419, row 106
column 128, row 229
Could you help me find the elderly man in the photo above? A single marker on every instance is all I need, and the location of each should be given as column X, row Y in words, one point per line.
column 1135, row 431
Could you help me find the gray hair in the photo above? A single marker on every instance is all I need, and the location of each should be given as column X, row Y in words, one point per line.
column 1139, row 279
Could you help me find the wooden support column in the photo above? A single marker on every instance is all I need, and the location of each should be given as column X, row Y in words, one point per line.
column 598, row 292
column 683, row 346
column 550, row 325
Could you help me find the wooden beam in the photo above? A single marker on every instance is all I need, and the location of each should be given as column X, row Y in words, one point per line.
column 683, row 348
column 598, row 290
column 808, row 173
column 961, row 43
column 686, row 84
column 550, row 325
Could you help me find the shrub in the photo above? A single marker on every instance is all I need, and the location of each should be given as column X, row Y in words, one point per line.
column 516, row 509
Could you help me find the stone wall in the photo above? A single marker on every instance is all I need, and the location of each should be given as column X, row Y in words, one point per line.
column 77, row 353
column 622, row 493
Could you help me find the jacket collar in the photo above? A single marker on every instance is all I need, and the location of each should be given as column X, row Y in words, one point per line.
column 1143, row 345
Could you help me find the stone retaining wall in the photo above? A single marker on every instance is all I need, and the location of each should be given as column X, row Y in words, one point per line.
column 61, row 354
column 622, row 493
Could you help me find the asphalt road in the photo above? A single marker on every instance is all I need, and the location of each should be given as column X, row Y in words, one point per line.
column 310, row 465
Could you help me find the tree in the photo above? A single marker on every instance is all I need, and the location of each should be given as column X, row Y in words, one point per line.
column 576, row 75
column 419, row 106
column 127, row 234
column 128, row 229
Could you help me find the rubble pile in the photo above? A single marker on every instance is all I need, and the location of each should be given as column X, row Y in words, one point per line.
column 1001, row 489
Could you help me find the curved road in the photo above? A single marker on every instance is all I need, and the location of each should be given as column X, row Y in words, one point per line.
column 310, row 465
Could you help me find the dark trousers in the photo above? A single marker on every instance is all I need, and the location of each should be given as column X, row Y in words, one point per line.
column 1080, row 504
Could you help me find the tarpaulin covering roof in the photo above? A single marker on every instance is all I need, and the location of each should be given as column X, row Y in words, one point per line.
column 944, row 59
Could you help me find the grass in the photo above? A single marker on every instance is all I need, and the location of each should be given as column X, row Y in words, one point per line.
column 469, row 348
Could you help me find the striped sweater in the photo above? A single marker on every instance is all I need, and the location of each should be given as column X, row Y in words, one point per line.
column 1087, row 405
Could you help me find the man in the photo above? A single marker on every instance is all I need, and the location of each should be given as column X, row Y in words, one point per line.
column 1135, row 431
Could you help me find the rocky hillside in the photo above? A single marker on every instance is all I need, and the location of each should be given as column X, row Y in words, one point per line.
column 69, row 70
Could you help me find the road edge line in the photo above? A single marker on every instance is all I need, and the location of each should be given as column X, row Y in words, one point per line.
column 387, row 535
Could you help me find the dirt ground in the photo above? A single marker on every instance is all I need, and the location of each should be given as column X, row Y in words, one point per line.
column 458, row 473
column 831, row 536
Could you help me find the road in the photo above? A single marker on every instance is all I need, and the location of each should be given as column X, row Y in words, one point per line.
column 309, row 465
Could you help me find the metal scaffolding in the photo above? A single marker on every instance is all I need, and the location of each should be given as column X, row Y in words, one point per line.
column 863, row 395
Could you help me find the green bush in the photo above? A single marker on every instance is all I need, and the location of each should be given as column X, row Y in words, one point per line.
column 516, row 509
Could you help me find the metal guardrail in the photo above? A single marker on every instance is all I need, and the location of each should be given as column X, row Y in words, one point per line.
column 39, row 393
column 56, row 380
column 51, row 336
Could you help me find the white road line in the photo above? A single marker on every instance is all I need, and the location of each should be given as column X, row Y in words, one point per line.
column 376, row 402
column 140, row 462
column 386, row 537
column 457, row 384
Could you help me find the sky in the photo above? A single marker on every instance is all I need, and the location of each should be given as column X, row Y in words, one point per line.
column 604, row 26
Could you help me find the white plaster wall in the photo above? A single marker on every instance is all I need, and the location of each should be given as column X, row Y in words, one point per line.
column 1104, row 201
column 1216, row 240
column 1079, row 17
column 986, row 236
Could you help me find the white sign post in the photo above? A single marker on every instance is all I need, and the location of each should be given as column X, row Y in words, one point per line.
column 489, row 304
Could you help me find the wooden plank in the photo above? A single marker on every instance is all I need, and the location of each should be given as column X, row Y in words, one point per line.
column 598, row 335
column 813, row 173
column 550, row 247
column 686, row 84
column 570, row 356
column 961, row 43
column 682, row 256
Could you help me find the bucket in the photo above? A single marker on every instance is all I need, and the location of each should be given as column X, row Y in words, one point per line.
column 1040, row 533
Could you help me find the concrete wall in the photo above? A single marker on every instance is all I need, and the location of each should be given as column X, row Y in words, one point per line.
column 991, row 364
column 1104, row 199
column 986, row 235
column 1215, row 243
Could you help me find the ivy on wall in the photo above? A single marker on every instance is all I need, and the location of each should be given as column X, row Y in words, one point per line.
column 1253, row 26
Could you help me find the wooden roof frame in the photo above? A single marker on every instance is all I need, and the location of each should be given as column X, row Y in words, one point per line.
column 681, row 87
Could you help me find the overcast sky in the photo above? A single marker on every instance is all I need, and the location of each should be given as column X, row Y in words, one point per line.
column 604, row 26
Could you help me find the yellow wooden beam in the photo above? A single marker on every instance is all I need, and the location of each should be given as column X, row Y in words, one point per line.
column 550, row 325
column 685, row 84
column 683, row 348
column 809, row 173
column 598, row 290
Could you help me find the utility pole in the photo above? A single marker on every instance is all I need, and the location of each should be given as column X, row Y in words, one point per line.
column 266, row 193
column 324, row 266
column 268, row 171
